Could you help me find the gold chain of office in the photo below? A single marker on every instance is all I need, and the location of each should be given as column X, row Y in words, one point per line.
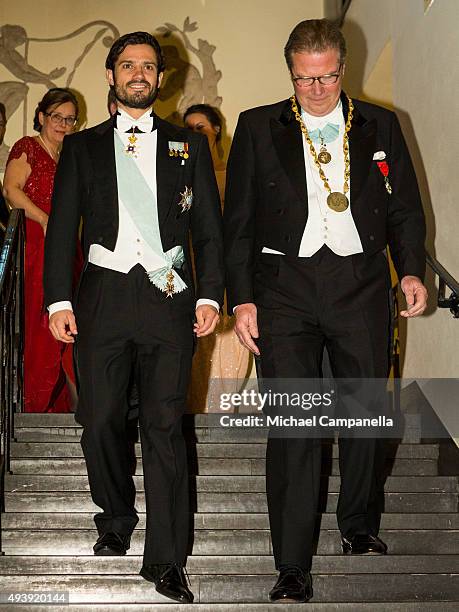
column 336, row 201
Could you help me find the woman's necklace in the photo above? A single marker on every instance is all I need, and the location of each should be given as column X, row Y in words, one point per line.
column 54, row 157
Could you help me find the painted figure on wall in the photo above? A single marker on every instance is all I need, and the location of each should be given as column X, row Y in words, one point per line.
column 196, row 86
column 14, row 93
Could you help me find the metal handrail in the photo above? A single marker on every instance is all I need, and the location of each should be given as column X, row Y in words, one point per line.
column 344, row 10
column 445, row 280
column 11, row 337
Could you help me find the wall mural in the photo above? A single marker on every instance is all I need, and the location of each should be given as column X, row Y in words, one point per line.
column 184, row 83
column 13, row 94
column 194, row 86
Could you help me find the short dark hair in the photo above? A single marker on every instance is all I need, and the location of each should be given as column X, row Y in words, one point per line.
column 315, row 35
column 111, row 99
column 134, row 38
column 3, row 111
column 210, row 112
column 54, row 97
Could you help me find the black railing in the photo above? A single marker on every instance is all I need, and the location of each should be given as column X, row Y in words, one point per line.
column 445, row 280
column 11, row 335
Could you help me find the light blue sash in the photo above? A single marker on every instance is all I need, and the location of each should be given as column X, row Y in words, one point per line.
column 142, row 207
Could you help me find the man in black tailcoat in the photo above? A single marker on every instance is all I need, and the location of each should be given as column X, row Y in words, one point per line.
column 317, row 187
column 140, row 185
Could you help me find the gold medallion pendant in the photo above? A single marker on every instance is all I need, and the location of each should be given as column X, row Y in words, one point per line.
column 324, row 156
column 337, row 201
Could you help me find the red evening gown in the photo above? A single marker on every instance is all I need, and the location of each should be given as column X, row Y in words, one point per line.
column 46, row 361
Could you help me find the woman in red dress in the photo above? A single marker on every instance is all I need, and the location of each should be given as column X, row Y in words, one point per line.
column 49, row 380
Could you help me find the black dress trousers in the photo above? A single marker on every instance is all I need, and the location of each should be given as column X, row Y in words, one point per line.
column 306, row 304
column 122, row 319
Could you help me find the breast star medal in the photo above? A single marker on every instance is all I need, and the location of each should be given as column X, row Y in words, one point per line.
column 186, row 199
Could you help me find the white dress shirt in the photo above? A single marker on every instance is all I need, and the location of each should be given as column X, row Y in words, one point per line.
column 131, row 249
column 325, row 226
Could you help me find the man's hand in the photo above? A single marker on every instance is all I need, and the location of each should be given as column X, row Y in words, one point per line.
column 62, row 325
column 206, row 320
column 415, row 295
column 246, row 326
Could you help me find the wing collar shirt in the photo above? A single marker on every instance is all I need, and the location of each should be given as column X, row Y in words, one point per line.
column 131, row 249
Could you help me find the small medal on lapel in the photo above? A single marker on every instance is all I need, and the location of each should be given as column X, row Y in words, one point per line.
column 384, row 169
column 178, row 149
column 187, row 199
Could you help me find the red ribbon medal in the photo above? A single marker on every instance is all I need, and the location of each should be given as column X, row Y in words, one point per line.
column 384, row 169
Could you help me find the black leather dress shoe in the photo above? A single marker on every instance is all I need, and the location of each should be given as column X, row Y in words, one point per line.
column 111, row 544
column 170, row 581
column 294, row 585
column 363, row 545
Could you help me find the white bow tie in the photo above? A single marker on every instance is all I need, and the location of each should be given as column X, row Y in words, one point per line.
column 125, row 123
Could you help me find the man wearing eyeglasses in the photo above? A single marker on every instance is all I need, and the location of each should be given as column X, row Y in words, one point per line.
column 141, row 186
column 317, row 186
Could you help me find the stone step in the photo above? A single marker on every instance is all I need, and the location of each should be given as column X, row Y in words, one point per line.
column 222, row 466
column 67, row 542
column 194, row 425
column 233, row 450
column 204, row 435
column 398, row 606
column 54, row 420
column 230, row 484
column 199, row 434
column 190, row 421
column 246, row 589
column 224, row 542
column 420, row 606
column 84, row 520
column 223, row 502
column 232, row 570
column 237, row 564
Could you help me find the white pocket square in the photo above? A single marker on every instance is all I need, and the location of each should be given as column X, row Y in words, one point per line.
column 379, row 155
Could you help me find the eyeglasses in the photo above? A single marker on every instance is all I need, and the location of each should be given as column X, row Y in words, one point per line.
column 324, row 79
column 58, row 119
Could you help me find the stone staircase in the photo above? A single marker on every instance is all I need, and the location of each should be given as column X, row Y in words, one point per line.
column 48, row 532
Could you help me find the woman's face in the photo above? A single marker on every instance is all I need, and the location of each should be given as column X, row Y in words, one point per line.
column 58, row 121
column 199, row 123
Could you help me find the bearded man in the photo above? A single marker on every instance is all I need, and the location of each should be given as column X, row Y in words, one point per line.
column 139, row 185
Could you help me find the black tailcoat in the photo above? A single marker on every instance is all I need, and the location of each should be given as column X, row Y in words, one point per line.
column 266, row 200
column 307, row 303
column 124, row 320
column 85, row 189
